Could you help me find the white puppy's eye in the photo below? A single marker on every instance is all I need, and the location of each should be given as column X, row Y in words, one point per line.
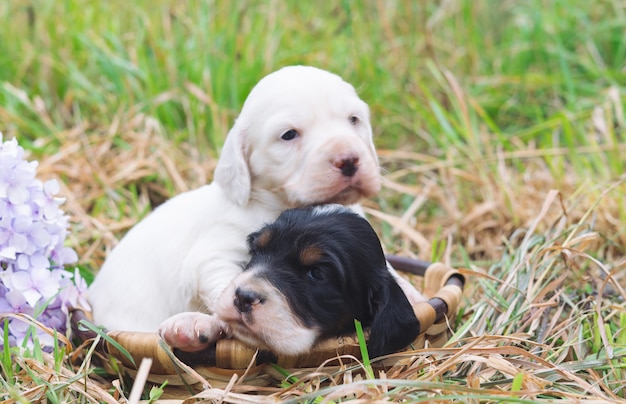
column 353, row 119
column 289, row 135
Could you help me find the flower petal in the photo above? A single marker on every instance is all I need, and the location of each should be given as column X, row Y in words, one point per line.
column 19, row 242
column 32, row 296
column 39, row 235
column 21, row 280
column 39, row 261
column 7, row 253
column 51, row 187
column 18, row 195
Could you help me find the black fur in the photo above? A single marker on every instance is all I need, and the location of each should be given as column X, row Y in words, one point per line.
column 347, row 280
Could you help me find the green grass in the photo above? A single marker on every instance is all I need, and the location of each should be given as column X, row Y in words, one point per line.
column 479, row 109
column 531, row 71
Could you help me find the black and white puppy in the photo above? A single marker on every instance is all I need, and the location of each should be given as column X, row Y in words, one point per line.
column 311, row 273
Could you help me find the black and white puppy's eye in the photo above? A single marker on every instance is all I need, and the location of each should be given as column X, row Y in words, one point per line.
column 290, row 134
column 316, row 274
column 353, row 119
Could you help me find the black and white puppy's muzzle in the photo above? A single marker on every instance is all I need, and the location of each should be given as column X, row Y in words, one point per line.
column 311, row 273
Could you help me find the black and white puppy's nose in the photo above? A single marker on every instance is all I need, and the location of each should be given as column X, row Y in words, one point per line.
column 246, row 299
column 348, row 166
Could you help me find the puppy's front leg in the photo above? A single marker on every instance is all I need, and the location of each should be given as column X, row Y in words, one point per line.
column 191, row 331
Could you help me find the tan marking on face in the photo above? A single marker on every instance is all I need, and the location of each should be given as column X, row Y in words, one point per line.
column 263, row 239
column 310, row 255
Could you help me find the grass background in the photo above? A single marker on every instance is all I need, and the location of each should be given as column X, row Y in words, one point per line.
column 480, row 109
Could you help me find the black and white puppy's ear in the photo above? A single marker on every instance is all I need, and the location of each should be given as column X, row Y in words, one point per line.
column 394, row 325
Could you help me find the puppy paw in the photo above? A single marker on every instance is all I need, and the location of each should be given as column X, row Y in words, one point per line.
column 191, row 331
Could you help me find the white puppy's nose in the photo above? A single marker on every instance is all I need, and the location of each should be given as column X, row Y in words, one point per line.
column 347, row 165
column 246, row 299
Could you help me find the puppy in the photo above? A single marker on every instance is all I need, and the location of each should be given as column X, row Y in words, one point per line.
column 303, row 137
column 311, row 273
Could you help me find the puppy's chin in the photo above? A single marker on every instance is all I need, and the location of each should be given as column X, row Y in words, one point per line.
column 281, row 341
column 348, row 196
column 322, row 189
column 243, row 334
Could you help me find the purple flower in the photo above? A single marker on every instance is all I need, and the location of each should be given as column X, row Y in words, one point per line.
column 32, row 250
column 14, row 302
column 73, row 291
column 35, row 285
column 48, row 204
column 15, row 179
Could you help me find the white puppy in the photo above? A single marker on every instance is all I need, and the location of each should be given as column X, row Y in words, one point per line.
column 303, row 137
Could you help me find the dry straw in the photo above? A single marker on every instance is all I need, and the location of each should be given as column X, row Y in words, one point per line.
column 229, row 358
column 543, row 315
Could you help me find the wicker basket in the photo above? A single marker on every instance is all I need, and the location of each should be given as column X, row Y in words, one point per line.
column 442, row 285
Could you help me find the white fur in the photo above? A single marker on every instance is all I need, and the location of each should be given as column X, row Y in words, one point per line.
column 184, row 254
column 271, row 325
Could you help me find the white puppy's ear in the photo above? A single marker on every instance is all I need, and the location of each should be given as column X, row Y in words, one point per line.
column 232, row 172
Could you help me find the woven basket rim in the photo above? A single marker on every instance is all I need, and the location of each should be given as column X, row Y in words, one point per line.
column 442, row 284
